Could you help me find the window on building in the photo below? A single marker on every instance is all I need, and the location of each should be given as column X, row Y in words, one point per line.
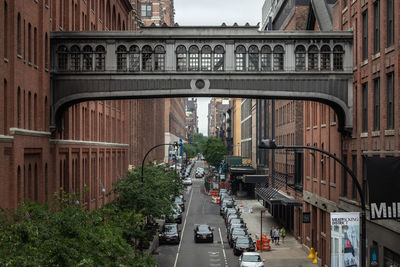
column 100, row 58
column 325, row 58
column 146, row 10
column 35, row 46
column 338, row 54
column 5, row 35
column 87, row 58
column 365, row 35
column 62, row 53
column 391, row 258
column 390, row 23
column 181, row 58
column 390, row 100
column 376, row 104
column 344, row 182
column 19, row 107
column 376, row 26
column 29, row 43
column 206, row 58
column 121, row 58
column 240, row 54
column 266, row 55
column 19, row 32
column 194, row 58
column 278, row 57
column 75, row 58
column 46, row 51
column 159, row 58
column 134, row 58
column 354, row 169
column 147, row 60
column 219, row 54
column 300, row 53
column 364, row 107
column 253, row 58
column 313, row 57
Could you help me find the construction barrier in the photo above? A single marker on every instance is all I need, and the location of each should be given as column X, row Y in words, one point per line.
column 263, row 244
column 315, row 261
column 312, row 254
column 215, row 199
column 214, row 193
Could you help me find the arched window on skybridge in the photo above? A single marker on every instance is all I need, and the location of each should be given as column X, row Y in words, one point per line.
column 147, row 60
column 219, row 55
column 62, row 53
column 87, row 58
column 159, row 58
column 100, row 58
column 313, row 58
column 279, row 56
column 266, row 58
column 75, row 58
column 206, row 53
column 121, row 58
column 326, row 58
column 240, row 56
column 300, row 53
column 181, row 58
column 254, row 58
column 134, row 58
column 194, row 58
column 338, row 54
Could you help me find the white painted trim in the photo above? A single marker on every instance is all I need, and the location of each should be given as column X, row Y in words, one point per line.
column 19, row 131
column 6, row 139
column 86, row 143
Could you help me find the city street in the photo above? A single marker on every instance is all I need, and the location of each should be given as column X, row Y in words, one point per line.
column 199, row 210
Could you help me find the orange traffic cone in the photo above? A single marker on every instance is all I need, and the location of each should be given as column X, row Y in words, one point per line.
column 312, row 254
column 315, row 258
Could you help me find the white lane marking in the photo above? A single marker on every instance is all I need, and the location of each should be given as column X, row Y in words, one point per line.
column 223, row 249
column 183, row 229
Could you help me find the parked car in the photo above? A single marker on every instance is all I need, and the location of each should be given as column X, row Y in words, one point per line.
column 235, row 221
column 227, row 204
column 236, row 232
column 243, row 244
column 235, row 225
column 187, row 181
column 251, row 259
column 169, row 234
column 180, row 201
column 231, row 216
column 203, row 233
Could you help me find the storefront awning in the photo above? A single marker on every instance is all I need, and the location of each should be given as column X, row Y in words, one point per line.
column 242, row 170
column 255, row 179
column 274, row 197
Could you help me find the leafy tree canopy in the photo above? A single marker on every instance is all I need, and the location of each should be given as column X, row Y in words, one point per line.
column 214, row 151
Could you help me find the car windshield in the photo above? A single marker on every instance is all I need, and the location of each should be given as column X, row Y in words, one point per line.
column 178, row 200
column 203, row 228
column 251, row 258
column 238, row 232
column 243, row 241
column 235, row 221
column 170, row 229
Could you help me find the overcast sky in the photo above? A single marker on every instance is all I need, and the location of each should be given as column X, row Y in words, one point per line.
column 214, row 13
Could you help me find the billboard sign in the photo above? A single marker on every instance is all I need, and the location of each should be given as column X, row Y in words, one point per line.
column 382, row 175
column 345, row 238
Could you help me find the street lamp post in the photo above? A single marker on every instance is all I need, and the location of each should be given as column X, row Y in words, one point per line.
column 270, row 144
column 148, row 152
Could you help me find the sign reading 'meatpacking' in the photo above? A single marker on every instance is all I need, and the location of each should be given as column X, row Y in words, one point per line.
column 383, row 176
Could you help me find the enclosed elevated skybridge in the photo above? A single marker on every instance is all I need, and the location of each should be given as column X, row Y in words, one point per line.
column 203, row 62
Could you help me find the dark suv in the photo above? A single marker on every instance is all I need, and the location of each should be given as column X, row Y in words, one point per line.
column 169, row 234
column 203, row 233
column 243, row 244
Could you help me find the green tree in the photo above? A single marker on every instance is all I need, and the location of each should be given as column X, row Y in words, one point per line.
column 190, row 150
column 214, row 151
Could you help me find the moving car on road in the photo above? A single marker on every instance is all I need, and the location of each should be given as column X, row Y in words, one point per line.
column 169, row 234
column 187, row 181
column 203, row 233
column 251, row 259
column 243, row 244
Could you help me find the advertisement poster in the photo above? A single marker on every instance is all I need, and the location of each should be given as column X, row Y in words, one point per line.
column 345, row 238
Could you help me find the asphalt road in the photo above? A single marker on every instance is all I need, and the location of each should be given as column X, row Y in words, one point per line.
column 198, row 210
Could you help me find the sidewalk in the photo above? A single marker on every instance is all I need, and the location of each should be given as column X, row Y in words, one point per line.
column 287, row 254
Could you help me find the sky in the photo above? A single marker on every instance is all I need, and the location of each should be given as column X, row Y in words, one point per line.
column 214, row 13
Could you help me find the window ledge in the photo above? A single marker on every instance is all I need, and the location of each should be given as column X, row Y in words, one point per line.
column 30, row 64
column 46, row 69
column 315, row 179
column 36, row 66
column 375, row 133
column 323, row 234
column 355, row 68
column 364, row 62
column 389, row 132
column 333, row 123
column 308, row 177
column 389, row 49
column 323, row 181
column 345, row 9
column 323, row 125
column 364, row 135
column 333, row 185
column 36, row 1
column 46, row 6
column 6, row 60
column 308, row 128
column 377, row 55
column 19, row 56
column 315, row 127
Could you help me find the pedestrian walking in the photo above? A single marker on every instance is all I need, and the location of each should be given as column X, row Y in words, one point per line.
column 276, row 234
column 271, row 234
column 283, row 234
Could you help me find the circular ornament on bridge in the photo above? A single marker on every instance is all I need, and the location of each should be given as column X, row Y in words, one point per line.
column 199, row 84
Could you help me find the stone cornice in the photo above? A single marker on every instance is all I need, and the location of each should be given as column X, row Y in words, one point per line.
column 19, row 131
column 85, row 143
